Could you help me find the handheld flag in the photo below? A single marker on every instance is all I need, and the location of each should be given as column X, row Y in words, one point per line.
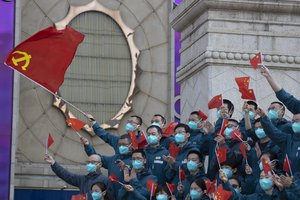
column 202, row 115
column 266, row 166
column 142, row 141
column 222, row 194
column 243, row 150
column 256, row 60
column 173, row 149
column 236, row 135
column 45, row 56
column 215, row 102
column 221, row 154
column 76, row 124
column 169, row 130
column 210, row 186
column 248, row 94
column 113, row 178
column 287, row 165
column 225, row 122
column 171, row 187
column 133, row 140
column 50, row 141
column 182, row 176
column 151, row 186
column 79, row 197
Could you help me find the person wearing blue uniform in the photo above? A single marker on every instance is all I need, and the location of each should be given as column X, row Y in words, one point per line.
column 99, row 191
column 83, row 182
column 224, row 112
column 249, row 109
column 197, row 191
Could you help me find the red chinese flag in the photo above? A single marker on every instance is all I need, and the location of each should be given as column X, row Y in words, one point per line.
column 50, row 141
column 142, row 141
column 76, row 124
column 287, row 164
column 169, row 130
column 215, row 102
column 266, row 166
column 113, row 178
column 133, row 140
column 236, row 135
column 256, row 60
column 222, row 194
column 79, row 197
column 173, row 149
column 221, row 154
column 171, row 187
column 243, row 150
column 248, row 94
column 243, row 82
column 182, row 175
column 223, row 127
column 202, row 115
column 210, row 186
column 45, row 56
column 151, row 186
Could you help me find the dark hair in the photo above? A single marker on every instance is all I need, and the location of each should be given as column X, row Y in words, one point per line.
column 159, row 130
column 257, row 120
column 162, row 188
column 233, row 120
column 200, row 156
column 200, row 182
column 125, row 136
column 252, row 103
column 103, row 188
column 196, row 113
column 273, row 156
column 163, row 119
column 278, row 102
column 229, row 105
column 140, row 120
column 237, row 180
column 186, row 127
column 141, row 151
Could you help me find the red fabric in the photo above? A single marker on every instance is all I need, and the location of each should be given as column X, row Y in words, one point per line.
column 221, row 154
column 171, row 187
column 286, row 164
column 202, row 115
column 151, row 186
column 222, row 194
column 182, row 175
column 236, row 135
column 255, row 60
column 243, row 82
column 113, row 178
column 223, row 127
column 45, row 56
column 210, row 186
column 76, row 124
column 142, row 142
column 266, row 166
column 173, row 149
column 169, row 130
column 133, row 140
column 243, row 150
column 248, row 94
column 79, row 197
column 215, row 102
column 50, row 141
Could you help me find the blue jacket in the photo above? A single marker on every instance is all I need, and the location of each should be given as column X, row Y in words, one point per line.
column 108, row 162
column 166, row 141
column 140, row 187
column 83, row 182
column 291, row 103
column 293, row 192
column 242, row 128
column 156, row 163
column 200, row 139
column 288, row 143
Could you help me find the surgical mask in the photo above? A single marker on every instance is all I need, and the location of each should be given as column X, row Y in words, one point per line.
column 152, row 139
column 228, row 172
column 192, row 166
column 265, row 183
column 251, row 114
column 195, row 194
column 179, row 138
column 137, row 164
column 161, row 197
column 260, row 166
column 219, row 114
column 90, row 167
column 273, row 114
column 227, row 133
column 129, row 127
column 155, row 124
column 296, row 127
column 237, row 190
column 192, row 125
column 123, row 149
column 260, row 133
column 97, row 195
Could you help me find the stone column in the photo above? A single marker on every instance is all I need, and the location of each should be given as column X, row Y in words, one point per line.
column 218, row 38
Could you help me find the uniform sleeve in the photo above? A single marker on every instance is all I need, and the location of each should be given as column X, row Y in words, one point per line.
column 70, row 178
column 289, row 101
column 109, row 138
column 89, row 149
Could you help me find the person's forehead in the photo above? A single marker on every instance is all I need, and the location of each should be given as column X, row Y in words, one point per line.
column 96, row 187
column 156, row 118
column 233, row 181
column 275, row 105
column 194, row 116
column 232, row 123
column 192, row 156
column 137, row 155
column 180, row 129
column 152, row 130
column 296, row 116
column 124, row 140
column 94, row 158
column 251, row 106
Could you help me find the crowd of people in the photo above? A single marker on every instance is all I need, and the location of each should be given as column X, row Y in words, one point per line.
column 257, row 157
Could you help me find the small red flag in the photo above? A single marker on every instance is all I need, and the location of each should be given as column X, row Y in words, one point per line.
column 113, row 178
column 76, row 124
column 202, row 115
column 173, row 149
column 182, row 176
column 79, row 197
column 215, row 102
column 225, row 123
column 142, row 141
column 45, row 56
column 210, row 186
column 151, row 186
column 243, row 82
column 171, row 187
column 256, row 60
column 236, row 135
column 243, row 150
column 287, row 164
column 248, row 94
column 169, row 130
column 133, row 140
column 222, row 194
column 266, row 166
column 221, row 154
column 50, row 141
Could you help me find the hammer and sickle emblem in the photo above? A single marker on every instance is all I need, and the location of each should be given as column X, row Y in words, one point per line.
column 26, row 57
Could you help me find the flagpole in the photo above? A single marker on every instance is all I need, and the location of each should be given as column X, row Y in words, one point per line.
column 47, row 145
column 179, row 175
column 288, row 160
column 56, row 95
column 151, row 191
column 217, row 158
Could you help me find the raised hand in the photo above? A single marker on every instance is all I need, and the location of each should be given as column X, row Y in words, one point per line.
column 248, row 169
column 169, row 159
column 84, row 141
column 208, row 127
column 120, row 164
column 128, row 188
column 245, row 107
column 286, row 180
column 49, row 159
column 277, row 182
column 265, row 71
column 220, row 140
column 223, row 176
column 260, row 112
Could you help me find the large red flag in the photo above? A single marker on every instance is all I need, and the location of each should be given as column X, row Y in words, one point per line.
column 169, row 130
column 151, row 186
column 45, row 56
column 215, row 102
column 256, row 60
column 222, row 194
column 173, row 149
column 79, row 197
column 221, row 154
column 50, row 141
column 76, row 124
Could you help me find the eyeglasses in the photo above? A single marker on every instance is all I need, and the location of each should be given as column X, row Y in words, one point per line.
column 235, row 186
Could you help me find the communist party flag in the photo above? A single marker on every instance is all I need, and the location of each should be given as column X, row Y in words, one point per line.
column 215, row 102
column 222, row 194
column 45, row 56
column 79, row 197
column 256, row 60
